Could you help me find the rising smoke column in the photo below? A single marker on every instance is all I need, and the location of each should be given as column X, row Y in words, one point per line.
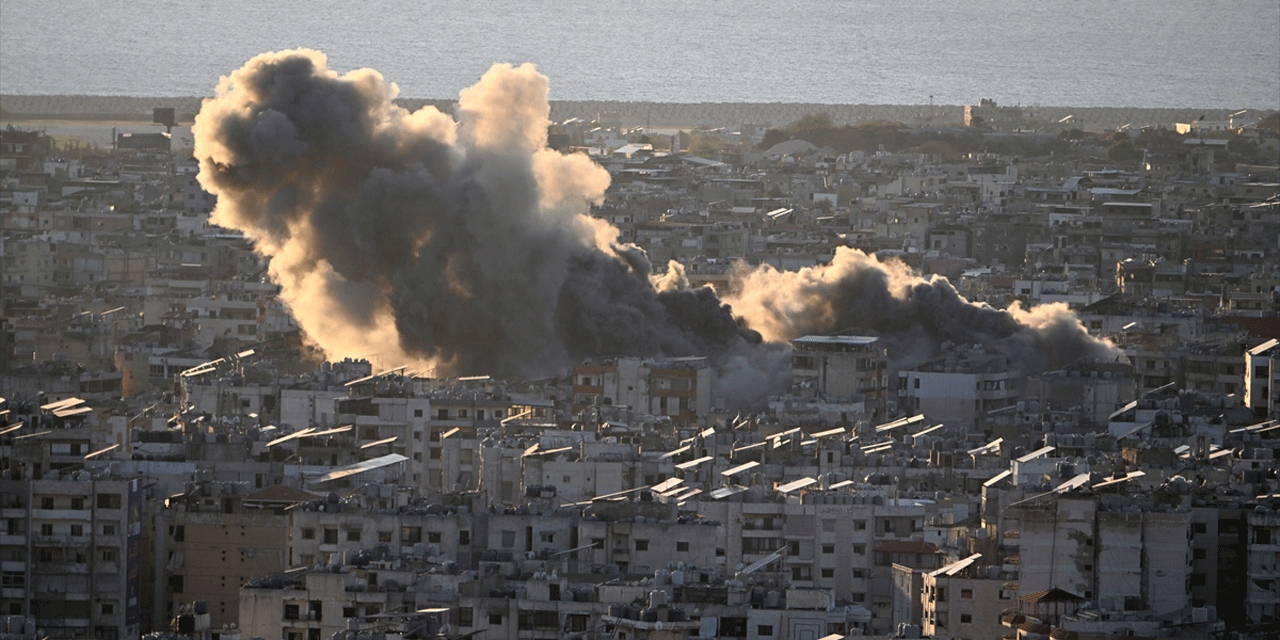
column 857, row 293
column 459, row 244
column 463, row 244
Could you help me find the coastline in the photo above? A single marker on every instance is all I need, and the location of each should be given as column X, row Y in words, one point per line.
column 138, row 110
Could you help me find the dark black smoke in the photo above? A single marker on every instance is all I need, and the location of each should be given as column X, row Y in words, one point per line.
column 914, row 316
column 462, row 243
column 459, row 244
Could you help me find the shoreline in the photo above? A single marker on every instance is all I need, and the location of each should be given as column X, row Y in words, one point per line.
column 128, row 110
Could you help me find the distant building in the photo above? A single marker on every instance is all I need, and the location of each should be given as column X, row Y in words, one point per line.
column 988, row 114
column 959, row 388
column 679, row 388
column 73, row 555
column 835, row 367
column 145, row 142
column 1262, row 379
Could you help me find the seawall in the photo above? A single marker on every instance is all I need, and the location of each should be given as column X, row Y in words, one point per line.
column 20, row 108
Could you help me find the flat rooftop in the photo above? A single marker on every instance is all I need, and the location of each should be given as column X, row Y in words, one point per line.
column 836, row 340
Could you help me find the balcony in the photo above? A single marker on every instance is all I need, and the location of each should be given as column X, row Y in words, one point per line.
column 52, row 540
column 82, row 515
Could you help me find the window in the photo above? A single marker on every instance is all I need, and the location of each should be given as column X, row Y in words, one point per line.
column 77, row 503
column 107, row 608
column 443, row 414
column 410, row 535
column 828, row 573
column 330, row 535
column 576, row 623
column 384, row 536
column 464, row 537
column 859, row 549
column 828, row 549
column 291, row 611
column 175, row 584
column 548, row 537
column 682, row 546
column 642, row 545
column 308, row 533
column 860, row 525
column 108, row 555
column 539, row 621
column 77, row 530
column 433, row 537
column 46, row 502
column 417, row 413
column 1199, row 554
column 353, row 536
column 764, row 630
column 966, row 618
column 495, row 618
column 465, row 616
column 13, row 579
column 733, row 627
column 46, row 529
column 966, row 594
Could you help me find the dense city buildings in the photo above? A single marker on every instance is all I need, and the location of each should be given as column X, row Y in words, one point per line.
column 178, row 457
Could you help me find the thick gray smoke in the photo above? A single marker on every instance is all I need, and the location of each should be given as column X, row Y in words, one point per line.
column 460, row 245
column 464, row 245
column 914, row 316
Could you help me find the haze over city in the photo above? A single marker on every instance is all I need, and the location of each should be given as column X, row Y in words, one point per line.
column 814, row 321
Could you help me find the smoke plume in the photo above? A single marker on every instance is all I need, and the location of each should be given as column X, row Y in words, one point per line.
column 913, row 316
column 460, row 242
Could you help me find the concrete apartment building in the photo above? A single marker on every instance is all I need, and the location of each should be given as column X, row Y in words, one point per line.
column 71, row 552
column 210, row 542
column 679, row 388
column 1136, row 491
column 1262, row 379
column 842, row 367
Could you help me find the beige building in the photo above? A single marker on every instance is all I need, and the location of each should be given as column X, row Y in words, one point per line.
column 964, row 600
column 679, row 388
column 842, row 367
column 207, row 544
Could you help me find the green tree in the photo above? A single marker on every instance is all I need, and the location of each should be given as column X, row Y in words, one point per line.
column 811, row 122
column 772, row 137
column 1124, row 152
